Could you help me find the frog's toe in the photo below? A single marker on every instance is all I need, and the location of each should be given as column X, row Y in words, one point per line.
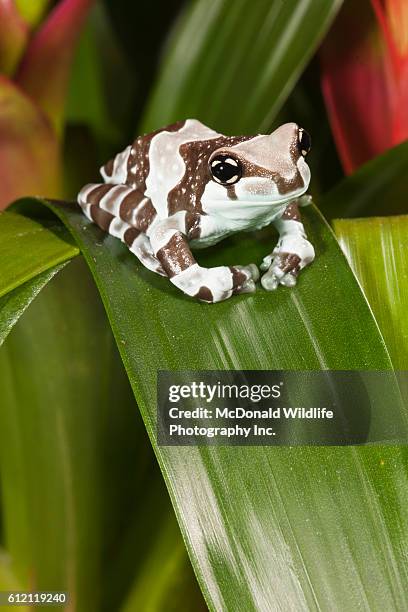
column 289, row 280
column 248, row 287
column 251, row 271
column 266, row 263
column 270, row 280
column 276, row 276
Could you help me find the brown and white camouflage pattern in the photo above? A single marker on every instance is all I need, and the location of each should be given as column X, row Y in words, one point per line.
column 160, row 198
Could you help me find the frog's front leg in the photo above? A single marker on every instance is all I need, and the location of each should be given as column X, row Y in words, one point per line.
column 170, row 242
column 292, row 253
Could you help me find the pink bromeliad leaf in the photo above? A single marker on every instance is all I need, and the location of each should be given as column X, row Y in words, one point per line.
column 364, row 79
column 32, row 104
column 29, row 150
column 392, row 16
column 45, row 68
column 13, row 36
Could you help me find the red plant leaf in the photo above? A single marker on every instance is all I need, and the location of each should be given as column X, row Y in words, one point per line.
column 13, row 36
column 29, row 150
column 357, row 83
column 392, row 17
column 45, row 70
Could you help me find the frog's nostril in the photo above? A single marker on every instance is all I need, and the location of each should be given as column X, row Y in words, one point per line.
column 304, row 142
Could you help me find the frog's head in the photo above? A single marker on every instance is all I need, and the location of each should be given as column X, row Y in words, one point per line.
column 263, row 170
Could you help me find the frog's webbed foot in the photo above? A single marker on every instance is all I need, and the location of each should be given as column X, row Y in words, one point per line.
column 281, row 269
column 244, row 278
column 285, row 262
column 216, row 284
column 292, row 253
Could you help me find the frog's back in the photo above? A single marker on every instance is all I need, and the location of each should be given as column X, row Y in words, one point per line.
column 169, row 167
column 153, row 164
column 143, row 180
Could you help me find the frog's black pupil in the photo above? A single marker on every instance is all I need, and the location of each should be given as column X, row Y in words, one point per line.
column 304, row 142
column 226, row 169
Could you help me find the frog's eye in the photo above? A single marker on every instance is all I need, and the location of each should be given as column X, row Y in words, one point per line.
column 225, row 169
column 304, row 143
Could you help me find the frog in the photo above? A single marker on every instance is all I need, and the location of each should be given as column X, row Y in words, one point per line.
column 186, row 187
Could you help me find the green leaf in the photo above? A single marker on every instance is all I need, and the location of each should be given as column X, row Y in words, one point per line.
column 15, row 302
column 74, row 537
column 52, row 430
column 377, row 250
column 76, row 473
column 164, row 580
column 29, row 247
column 32, row 10
column 379, row 187
column 262, row 524
column 233, row 64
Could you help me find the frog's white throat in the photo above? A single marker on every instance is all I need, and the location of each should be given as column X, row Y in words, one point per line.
column 253, row 199
column 234, row 215
column 249, row 212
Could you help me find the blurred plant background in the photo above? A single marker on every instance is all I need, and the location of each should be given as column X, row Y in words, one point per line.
column 84, row 505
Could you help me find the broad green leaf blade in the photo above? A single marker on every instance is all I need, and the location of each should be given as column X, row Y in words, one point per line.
column 266, row 528
column 77, row 479
column 52, row 430
column 29, row 247
column 380, row 187
column 111, row 454
column 377, row 250
column 15, row 302
column 232, row 64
